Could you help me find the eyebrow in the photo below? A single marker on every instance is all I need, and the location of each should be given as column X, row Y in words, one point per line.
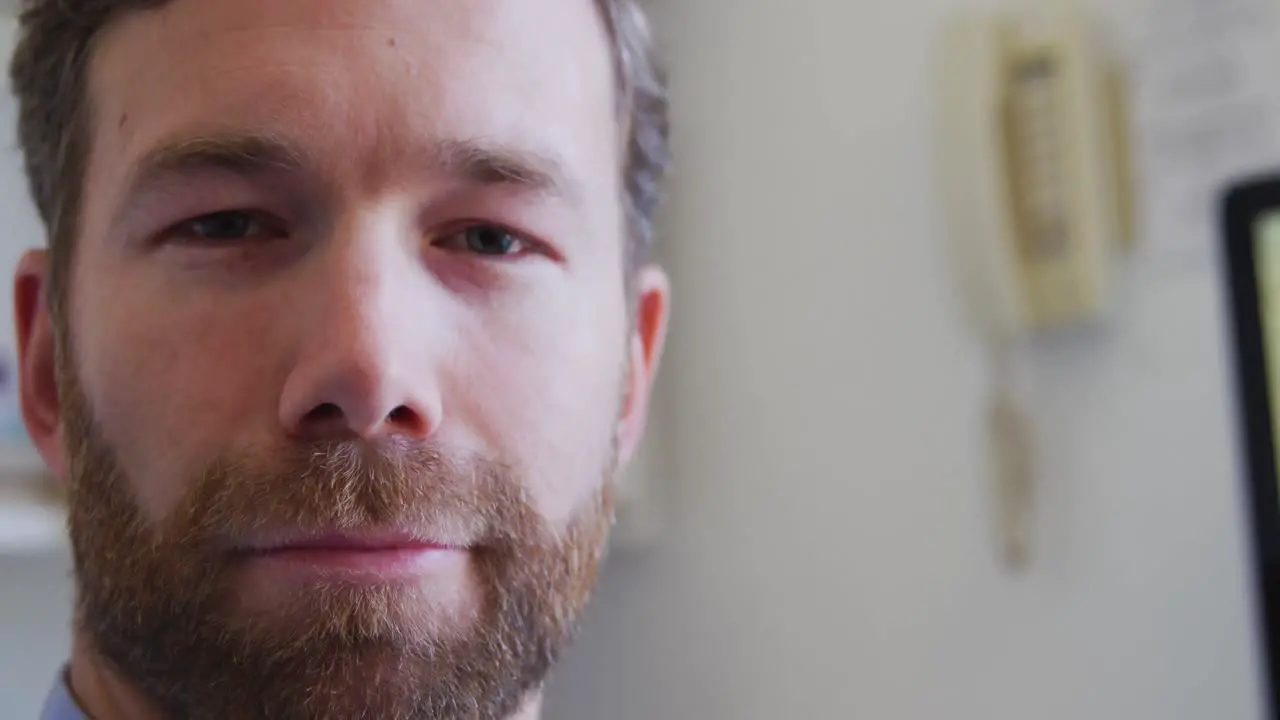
column 480, row 163
column 475, row 162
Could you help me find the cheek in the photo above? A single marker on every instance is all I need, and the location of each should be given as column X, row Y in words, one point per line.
column 544, row 393
column 169, row 383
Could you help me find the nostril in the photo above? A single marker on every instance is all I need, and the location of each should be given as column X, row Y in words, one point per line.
column 331, row 420
column 324, row 413
column 403, row 417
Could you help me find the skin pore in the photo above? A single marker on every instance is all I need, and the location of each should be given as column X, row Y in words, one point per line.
column 344, row 272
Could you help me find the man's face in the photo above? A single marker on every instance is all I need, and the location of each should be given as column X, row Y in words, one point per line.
column 349, row 364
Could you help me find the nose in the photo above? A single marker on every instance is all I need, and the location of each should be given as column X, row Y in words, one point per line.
column 364, row 366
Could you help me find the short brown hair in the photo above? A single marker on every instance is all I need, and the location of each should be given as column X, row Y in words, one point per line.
column 49, row 73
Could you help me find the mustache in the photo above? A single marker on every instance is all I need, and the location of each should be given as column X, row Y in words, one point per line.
column 450, row 497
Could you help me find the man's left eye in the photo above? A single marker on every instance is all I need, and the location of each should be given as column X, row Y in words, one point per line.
column 485, row 240
column 227, row 226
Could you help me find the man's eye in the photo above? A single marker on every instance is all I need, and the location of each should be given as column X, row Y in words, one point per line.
column 227, row 226
column 485, row 240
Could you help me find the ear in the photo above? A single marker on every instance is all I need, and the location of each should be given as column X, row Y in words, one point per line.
column 37, row 369
column 648, row 335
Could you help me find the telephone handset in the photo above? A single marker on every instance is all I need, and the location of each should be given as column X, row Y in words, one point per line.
column 1038, row 186
column 1035, row 163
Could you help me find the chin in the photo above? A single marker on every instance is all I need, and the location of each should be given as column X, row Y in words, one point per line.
column 396, row 612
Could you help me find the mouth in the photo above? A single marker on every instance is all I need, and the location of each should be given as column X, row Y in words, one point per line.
column 371, row 556
column 350, row 542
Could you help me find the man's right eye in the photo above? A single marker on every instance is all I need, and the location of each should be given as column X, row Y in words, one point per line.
column 226, row 227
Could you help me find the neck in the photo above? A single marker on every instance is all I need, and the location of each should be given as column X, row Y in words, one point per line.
column 104, row 694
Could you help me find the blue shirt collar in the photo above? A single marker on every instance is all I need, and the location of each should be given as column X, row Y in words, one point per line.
column 59, row 705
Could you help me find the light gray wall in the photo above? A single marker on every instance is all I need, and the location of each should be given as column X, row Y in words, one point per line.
column 831, row 555
column 35, row 603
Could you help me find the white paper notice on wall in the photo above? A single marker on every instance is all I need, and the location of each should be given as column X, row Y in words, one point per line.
column 1207, row 109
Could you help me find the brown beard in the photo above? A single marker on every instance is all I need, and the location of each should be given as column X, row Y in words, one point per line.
column 157, row 599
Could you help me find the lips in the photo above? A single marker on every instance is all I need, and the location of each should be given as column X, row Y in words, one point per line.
column 359, row 557
column 358, row 543
column 345, row 542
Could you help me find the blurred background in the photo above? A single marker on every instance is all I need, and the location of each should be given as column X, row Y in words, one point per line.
column 817, row 528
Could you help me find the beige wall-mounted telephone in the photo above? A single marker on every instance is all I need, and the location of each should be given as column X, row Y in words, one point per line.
column 1038, row 188
column 1035, row 164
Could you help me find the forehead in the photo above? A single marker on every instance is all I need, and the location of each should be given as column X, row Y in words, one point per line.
column 363, row 79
